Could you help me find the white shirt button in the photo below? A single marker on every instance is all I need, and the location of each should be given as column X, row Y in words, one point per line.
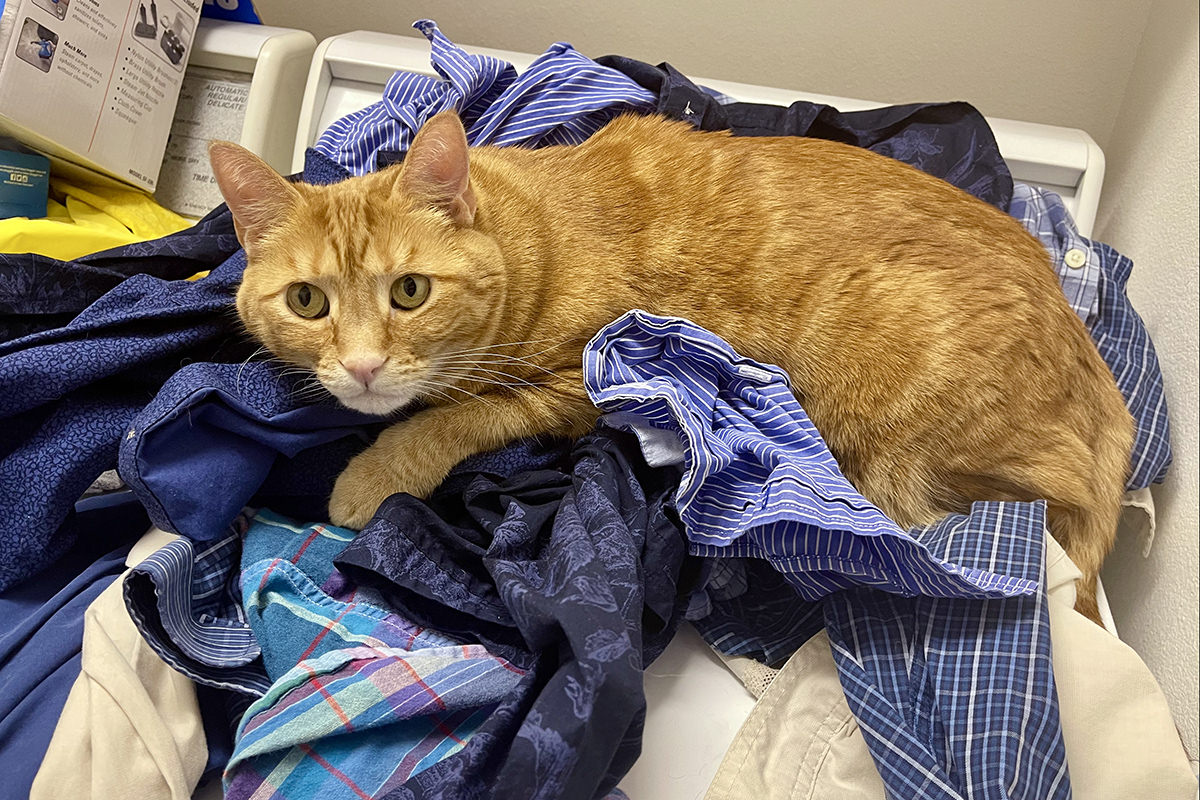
column 1075, row 258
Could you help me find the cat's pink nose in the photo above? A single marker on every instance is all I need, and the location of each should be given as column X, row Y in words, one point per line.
column 364, row 368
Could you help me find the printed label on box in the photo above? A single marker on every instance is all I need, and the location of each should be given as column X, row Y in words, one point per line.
column 99, row 78
column 212, row 105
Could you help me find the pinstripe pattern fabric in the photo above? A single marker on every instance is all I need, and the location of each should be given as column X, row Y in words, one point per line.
column 563, row 98
column 953, row 689
column 362, row 699
column 186, row 602
column 761, row 483
column 1093, row 276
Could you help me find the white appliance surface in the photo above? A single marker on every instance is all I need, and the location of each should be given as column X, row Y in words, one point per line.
column 695, row 707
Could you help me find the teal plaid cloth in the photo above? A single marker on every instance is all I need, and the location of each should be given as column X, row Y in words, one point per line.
column 361, row 699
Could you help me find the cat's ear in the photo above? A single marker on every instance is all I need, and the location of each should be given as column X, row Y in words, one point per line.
column 258, row 196
column 436, row 169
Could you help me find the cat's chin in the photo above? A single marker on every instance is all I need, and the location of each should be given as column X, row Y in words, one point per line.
column 374, row 403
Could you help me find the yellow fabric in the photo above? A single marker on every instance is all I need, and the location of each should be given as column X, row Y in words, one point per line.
column 81, row 220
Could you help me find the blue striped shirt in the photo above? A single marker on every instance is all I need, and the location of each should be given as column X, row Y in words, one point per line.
column 186, row 602
column 761, row 483
column 563, row 98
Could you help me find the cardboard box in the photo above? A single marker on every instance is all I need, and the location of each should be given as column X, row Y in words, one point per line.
column 94, row 82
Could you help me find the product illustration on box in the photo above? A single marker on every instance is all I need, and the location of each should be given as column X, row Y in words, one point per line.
column 168, row 36
column 37, row 45
column 174, row 39
column 144, row 29
column 56, row 7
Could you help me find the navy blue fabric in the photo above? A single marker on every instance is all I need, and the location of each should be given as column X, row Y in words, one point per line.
column 67, row 397
column 576, row 570
column 208, row 440
column 41, row 636
column 950, row 140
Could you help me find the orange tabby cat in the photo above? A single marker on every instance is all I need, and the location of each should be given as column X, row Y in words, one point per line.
column 924, row 330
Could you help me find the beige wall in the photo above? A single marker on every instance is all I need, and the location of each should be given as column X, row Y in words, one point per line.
column 1063, row 63
column 1081, row 63
column 1150, row 213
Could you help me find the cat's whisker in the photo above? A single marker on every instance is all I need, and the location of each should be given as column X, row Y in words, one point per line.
column 469, row 375
column 502, row 357
column 309, row 389
column 237, row 381
column 424, row 388
column 505, row 361
column 459, row 389
column 505, row 344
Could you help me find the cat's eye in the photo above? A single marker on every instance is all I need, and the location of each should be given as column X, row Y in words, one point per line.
column 307, row 301
column 410, row 291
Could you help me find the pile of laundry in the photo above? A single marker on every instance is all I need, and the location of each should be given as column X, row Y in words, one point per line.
column 490, row 641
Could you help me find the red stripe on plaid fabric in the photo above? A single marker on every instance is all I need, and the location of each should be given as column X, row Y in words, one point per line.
column 267, row 573
column 417, row 680
column 334, row 771
column 337, row 709
column 412, row 637
column 311, row 538
column 446, row 730
column 428, row 744
column 508, row 666
column 328, row 627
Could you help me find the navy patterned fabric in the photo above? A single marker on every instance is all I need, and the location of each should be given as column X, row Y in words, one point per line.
column 39, row 293
column 67, row 397
column 576, row 571
column 949, row 140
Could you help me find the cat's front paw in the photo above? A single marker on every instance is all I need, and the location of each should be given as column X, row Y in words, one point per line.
column 373, row 476
column 355, row 499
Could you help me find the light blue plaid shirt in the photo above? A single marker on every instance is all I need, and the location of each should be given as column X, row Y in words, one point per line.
column 1093, row 276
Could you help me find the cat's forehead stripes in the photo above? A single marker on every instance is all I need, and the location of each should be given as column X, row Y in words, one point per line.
column 356, row 231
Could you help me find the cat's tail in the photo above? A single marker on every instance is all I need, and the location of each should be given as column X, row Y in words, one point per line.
column 1084, row 517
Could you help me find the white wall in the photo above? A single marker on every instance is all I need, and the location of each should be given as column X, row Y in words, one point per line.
column 1126, row 72
column 1150, row 213
column 1062, row 63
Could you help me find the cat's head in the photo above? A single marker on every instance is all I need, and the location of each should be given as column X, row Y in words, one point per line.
column 372, row 283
